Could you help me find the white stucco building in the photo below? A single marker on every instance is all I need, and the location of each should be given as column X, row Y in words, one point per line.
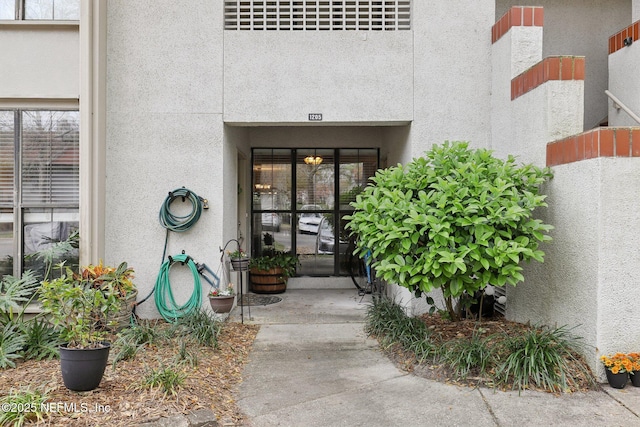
column 106, row 106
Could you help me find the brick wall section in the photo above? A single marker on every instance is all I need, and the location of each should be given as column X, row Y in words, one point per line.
column 616, row 41
column 598, row 142
column 517, row 16
column 551, row 68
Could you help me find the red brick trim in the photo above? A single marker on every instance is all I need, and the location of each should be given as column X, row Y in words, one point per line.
column 517, row 16
column 616, row 41
column 551, row 68
column 598, row 142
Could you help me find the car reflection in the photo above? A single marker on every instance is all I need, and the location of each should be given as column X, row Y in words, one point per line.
column 325, row 241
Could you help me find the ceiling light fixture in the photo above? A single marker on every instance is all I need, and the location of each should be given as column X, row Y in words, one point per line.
column 313, row 160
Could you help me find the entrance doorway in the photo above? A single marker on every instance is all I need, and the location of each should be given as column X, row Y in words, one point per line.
column 300, row 198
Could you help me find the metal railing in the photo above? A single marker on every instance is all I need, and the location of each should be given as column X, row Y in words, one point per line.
column 618, row 104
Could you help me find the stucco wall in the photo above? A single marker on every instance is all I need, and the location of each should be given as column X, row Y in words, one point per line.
column 563, row 290
column 581, row 28
column 347, row 76
column 513, row 53
column 40, row 61
column 591, row 267
column 619, row 275
column 164, row 131
column 624, row 84
column 452, row 50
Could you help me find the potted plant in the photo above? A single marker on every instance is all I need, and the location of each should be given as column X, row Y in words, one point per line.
column 269, row 273
column 634, row 373
column 81, row 310
column 239, row 260
column 118, row 280
column 617, row 368
column 221, row 299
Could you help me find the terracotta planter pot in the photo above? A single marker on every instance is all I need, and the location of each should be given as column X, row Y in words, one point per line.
column 268, row 281
column 222, row 304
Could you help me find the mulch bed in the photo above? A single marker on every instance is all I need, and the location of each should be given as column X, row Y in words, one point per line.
column 445, row 330
column 121, row 399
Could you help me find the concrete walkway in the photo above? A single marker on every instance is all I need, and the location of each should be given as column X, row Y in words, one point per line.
column 312, row 365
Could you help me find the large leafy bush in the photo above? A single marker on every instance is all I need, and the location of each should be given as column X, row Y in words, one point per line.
column 456, row 219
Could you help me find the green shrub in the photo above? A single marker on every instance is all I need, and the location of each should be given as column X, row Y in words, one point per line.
column 456, row 219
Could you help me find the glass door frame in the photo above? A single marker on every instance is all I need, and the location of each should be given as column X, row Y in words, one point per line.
column 293, row 210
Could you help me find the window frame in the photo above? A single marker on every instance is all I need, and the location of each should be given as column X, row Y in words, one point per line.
column 20, row 13
column 293, row 211
column 18, row 205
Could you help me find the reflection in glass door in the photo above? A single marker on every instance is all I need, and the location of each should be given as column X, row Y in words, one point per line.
column 315, row 200
column 300, row 198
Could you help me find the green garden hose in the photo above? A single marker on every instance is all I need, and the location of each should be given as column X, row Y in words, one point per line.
column 165, row 302
column 180, row 223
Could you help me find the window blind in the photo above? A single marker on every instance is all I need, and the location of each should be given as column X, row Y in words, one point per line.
column 50, row 158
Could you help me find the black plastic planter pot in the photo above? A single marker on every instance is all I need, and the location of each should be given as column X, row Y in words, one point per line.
column 82, row 369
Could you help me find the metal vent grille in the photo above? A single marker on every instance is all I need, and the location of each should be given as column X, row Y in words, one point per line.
column 317, row 15
column 500, row 291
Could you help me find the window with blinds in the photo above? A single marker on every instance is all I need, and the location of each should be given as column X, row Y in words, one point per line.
column 314, row 15
column 50, row 158
column 50, row 10
column 39, row 185
column 7, row 156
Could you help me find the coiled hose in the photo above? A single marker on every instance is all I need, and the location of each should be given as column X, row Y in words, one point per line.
column 179, row 223
column 165, row 302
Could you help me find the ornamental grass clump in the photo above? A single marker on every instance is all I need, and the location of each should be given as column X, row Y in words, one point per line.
column 539, row 358
column 456, row 219
column 390, row 324
column 466, row 356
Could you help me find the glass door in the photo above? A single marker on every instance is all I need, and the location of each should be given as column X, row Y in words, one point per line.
column 300, row 198
column 315, row 203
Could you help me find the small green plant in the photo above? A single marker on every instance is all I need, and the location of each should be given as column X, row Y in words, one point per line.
column 11, row 344
column 388, row 321
column 124, row 350
column 272, row 258
column 15, row 294
column 41, row 340
column 130, row 340
column 538, row 357
column 22, row 406
column 187, row 356
column 200, row 325
column 168, row 378
column 142, row 333
column 77, row 308
column 467, row 355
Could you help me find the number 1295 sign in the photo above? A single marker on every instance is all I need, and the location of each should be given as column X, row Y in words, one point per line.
column 315, row 117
